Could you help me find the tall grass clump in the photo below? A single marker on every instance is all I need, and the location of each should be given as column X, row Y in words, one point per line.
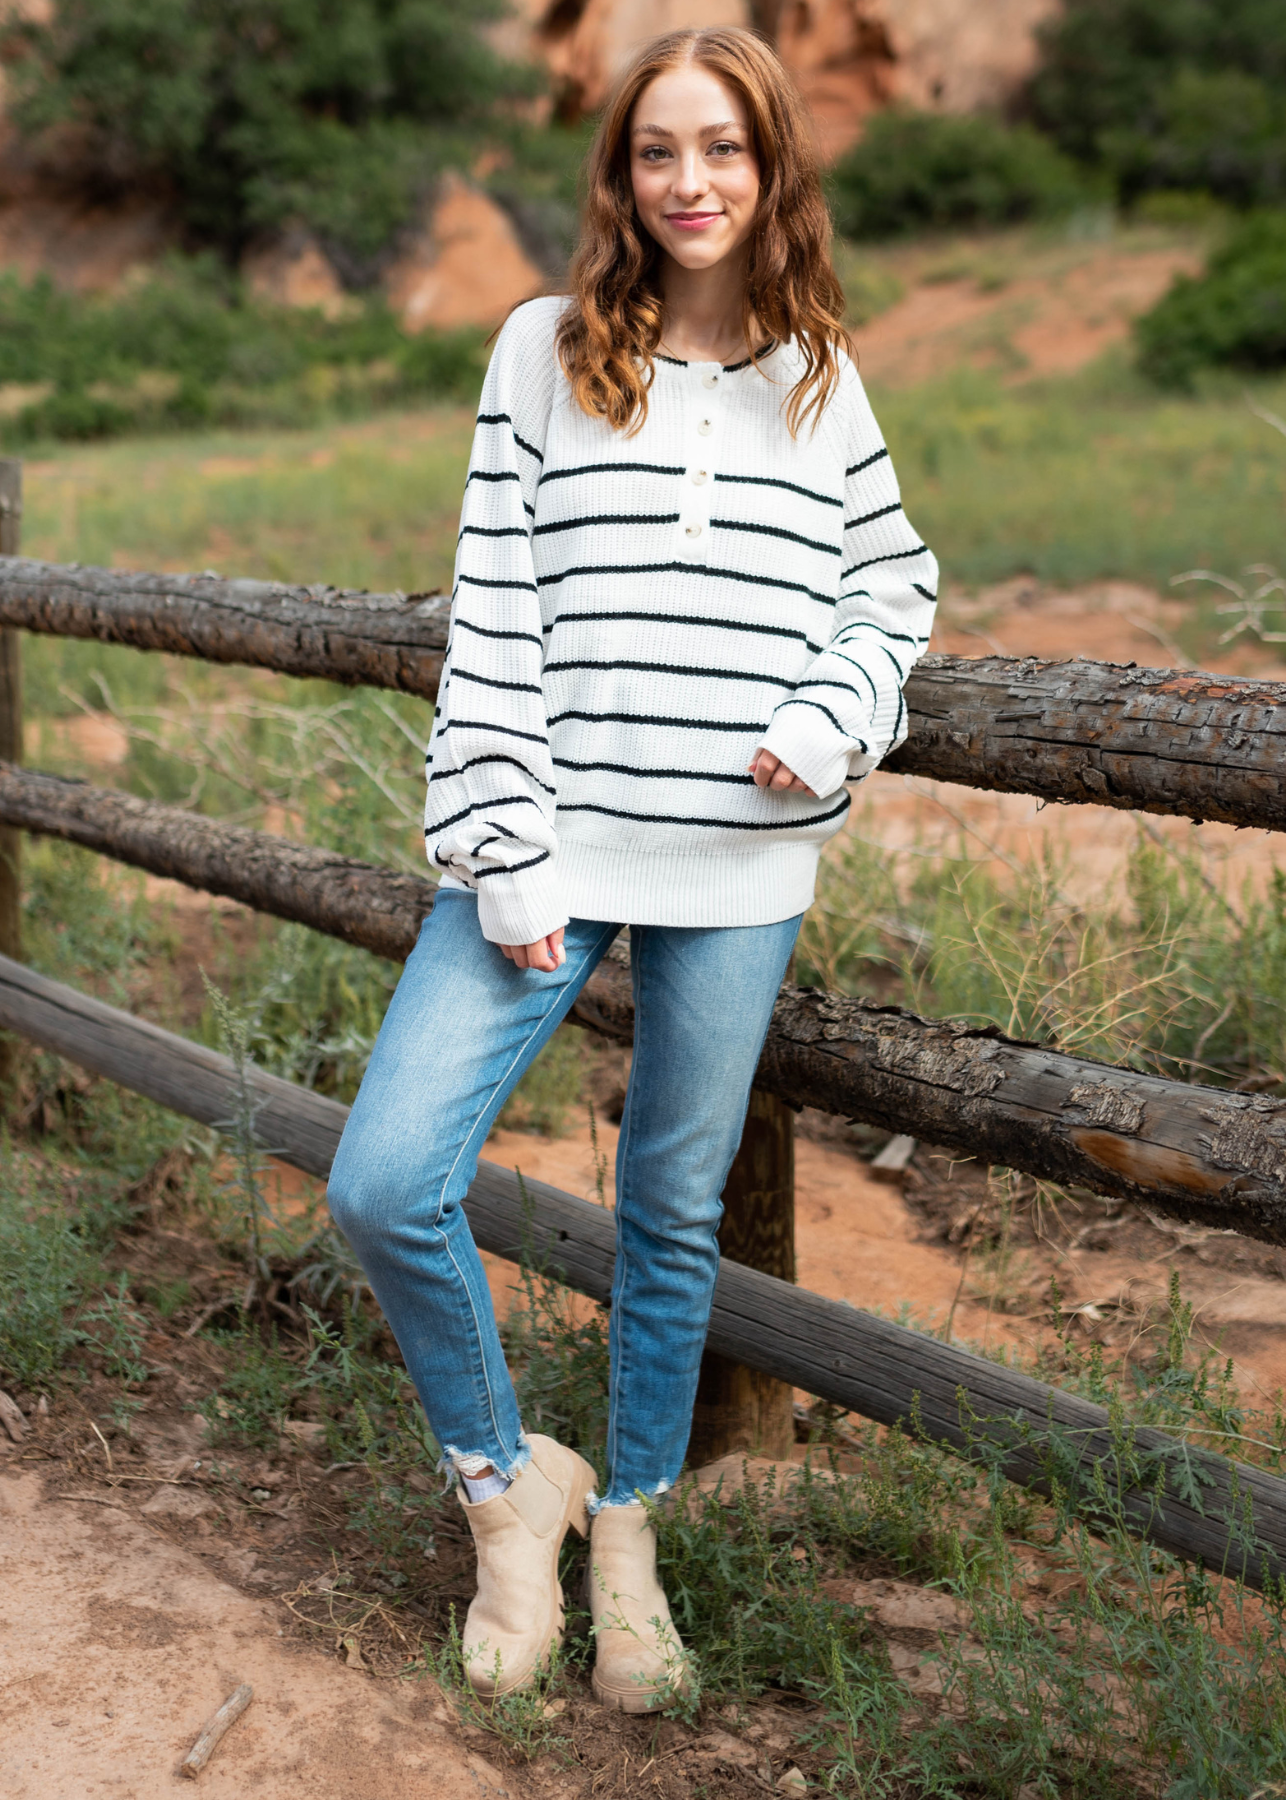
column 1177, row 974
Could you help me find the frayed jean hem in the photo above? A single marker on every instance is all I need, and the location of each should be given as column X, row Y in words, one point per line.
column 595, row 1503
column 454, row 1463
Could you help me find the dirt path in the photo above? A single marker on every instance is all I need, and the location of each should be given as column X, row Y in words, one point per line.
column 116, row 1646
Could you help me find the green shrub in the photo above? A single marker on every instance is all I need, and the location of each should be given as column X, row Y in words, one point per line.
column 338, row 113
column 917, row 171
column 1162, row 94
column 187, row 348
column 1233, row 315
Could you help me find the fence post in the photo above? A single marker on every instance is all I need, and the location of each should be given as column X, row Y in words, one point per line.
column 739, row 1408
column 10, row 739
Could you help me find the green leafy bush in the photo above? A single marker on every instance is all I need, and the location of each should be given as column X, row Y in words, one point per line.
column 187, row 347
column 916, row 171
column 338, row 113
column 1170, row 93
column 1233, row 315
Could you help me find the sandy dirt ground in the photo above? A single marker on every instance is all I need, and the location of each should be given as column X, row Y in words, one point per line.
column 1049, row 316
column 117, row 1645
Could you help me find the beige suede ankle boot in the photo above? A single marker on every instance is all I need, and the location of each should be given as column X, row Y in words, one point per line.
column 517, row 1614
column 639, row 1659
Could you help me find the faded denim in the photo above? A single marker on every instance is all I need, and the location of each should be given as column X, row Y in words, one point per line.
column 462, row 1028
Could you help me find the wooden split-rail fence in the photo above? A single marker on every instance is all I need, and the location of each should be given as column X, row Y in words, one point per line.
column 1155, row 740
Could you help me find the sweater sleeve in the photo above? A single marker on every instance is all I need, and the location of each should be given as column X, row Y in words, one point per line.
column 847, row 711
column 489, row 815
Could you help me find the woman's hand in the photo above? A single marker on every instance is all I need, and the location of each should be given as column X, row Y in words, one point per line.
column 546, row 953
column 770, row 772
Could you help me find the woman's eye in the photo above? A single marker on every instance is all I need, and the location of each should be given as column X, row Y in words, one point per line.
column 654, row 153
column 724, row 149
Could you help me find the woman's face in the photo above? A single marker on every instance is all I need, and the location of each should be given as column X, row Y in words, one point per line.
column 692, row 162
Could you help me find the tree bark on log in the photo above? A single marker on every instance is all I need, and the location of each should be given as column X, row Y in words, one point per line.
column 375, row 640
column 1036, row 1434
column 1111, row 734
column 1198, row 1153
column 1160, row 740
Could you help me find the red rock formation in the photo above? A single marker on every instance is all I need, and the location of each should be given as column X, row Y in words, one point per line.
column 851, row 57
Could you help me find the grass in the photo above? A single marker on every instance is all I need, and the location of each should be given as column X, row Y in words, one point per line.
column 1179, row 974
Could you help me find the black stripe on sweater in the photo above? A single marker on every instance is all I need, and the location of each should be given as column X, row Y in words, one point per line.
column 530, row 737
column 663, row 668
column 818, row 707
column 857, row 468
column 628, row 718
column 881, row 512
column 514, row 869
column 610, row 468
column 853, row 664
column 771, row 481
column 492, row 531
column 898, row 637
column 616, row 812
column 888, row 556
column 478, row 581
column 523, row 637
column 611, row 768
column 476, row 805
column 486, row 475
column 653, row 618
column 513, row 687
column 606, row 519
column 504, row 419
column 496, row 756
column 684, row 568
column 793, row 537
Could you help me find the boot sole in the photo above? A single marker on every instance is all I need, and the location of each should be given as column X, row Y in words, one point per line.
column 575, row 1517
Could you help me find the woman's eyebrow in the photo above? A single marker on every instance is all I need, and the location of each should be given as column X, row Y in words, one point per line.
column 703, row 131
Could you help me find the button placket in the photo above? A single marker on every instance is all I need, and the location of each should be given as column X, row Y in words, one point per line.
column 696, row 484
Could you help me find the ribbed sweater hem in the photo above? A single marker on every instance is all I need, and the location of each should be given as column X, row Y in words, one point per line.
column 632, row 887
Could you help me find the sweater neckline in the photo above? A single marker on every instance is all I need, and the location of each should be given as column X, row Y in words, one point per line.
column 678, row 362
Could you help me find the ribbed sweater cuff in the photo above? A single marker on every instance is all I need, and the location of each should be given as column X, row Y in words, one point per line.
column 521, row 908
column 819, row 758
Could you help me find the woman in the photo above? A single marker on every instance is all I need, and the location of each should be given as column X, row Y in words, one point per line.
column 686, row 601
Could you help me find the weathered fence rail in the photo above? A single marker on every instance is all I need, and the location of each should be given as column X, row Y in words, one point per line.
column 883, row 1371
column 1198, row 1153
column 1157, row 740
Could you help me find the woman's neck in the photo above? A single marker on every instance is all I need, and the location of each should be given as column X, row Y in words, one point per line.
column 703, row 310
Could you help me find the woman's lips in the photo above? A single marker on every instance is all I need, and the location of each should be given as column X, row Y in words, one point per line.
column 692, row 221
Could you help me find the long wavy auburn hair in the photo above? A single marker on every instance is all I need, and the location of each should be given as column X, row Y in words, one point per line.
column 609, row 334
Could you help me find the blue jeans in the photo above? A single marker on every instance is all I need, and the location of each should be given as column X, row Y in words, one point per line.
column 460, row 1031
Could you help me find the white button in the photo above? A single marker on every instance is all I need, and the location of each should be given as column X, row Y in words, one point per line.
column 699, row 476
column 706, row 427
column 694, row 530
column 710, row 381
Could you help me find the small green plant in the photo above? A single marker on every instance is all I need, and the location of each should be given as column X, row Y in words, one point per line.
column 245, row 1185
column 256, row 1395
column 526, row 1721
column 46, row 1267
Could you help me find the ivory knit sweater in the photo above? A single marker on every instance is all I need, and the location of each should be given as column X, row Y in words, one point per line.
column 634, row 616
